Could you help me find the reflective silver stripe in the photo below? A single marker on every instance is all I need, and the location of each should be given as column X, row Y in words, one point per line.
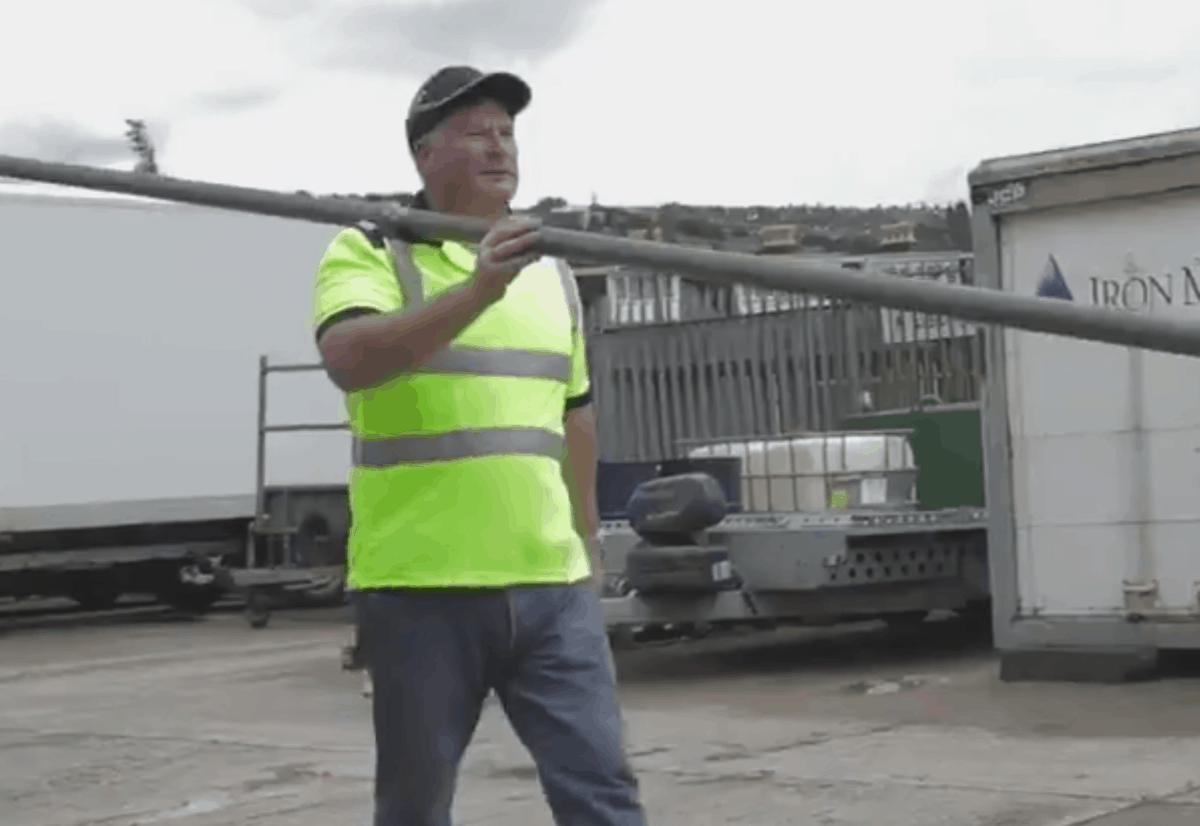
column 462, row 444
column 482, row 362
column 406, row 274
column 571, row 292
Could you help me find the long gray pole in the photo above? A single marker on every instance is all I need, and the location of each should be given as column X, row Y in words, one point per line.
column 1041, row 315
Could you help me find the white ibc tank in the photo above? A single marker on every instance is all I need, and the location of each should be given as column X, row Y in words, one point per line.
column 802, row 473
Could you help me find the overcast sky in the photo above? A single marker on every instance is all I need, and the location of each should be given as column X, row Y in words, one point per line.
column 637, row 101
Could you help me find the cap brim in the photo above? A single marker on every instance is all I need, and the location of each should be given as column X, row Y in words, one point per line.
column 505, row 88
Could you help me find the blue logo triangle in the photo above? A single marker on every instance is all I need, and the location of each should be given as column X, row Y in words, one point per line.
column 1053, row 285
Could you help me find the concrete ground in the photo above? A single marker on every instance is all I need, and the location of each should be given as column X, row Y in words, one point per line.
column 211, row 724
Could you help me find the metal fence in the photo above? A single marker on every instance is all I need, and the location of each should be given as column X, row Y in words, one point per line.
column 743, row 363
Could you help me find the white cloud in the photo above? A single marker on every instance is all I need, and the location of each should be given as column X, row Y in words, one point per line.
column 650, row 100
column 96, row 63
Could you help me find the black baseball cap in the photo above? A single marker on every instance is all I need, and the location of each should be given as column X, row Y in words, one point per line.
column 456, row 86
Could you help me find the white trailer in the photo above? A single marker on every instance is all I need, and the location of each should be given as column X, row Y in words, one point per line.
column 1092, row 450
column 132, row 331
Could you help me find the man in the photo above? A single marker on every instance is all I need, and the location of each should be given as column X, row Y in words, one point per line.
column 472, row 493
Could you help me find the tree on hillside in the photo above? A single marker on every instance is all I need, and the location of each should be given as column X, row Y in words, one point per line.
column 142, row 146
column 958, row 226
column 819, row 240
column 858, row 244
column 548, row 205
column 701, row 228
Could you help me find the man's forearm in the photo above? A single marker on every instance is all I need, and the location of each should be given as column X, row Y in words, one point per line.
column 368, row 350
column 579, row 473
column 579, row 468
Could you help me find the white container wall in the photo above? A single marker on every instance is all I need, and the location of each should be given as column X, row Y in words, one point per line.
column 1105, row 439
column 793, row 474
column 1092, row 451
column 132, row 332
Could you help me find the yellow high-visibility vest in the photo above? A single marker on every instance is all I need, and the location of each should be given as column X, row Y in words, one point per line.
column 456, row 479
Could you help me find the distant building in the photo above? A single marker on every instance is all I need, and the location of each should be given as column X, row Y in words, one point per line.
column 651, row 233
column 889, row 240
column 780, row 238
column 898, row 237
column 625, row 296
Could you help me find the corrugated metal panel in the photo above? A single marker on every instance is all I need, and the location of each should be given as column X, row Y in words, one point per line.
column 800, row 370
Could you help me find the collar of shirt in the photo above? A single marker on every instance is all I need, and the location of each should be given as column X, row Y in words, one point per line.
column 460, row 255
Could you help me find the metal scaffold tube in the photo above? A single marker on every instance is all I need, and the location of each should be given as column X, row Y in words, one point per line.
column 1040, row 315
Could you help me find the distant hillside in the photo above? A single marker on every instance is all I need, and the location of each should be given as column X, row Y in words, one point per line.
column 402, row 198
column 850, row 230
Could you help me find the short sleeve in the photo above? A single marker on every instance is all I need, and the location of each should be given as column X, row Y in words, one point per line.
column 354, row 274
column 579, row 384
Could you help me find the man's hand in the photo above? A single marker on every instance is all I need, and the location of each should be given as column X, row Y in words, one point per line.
column 503, row 253
column 595, row 546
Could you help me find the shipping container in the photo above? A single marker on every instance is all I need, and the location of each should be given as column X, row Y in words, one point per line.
column 1092, row 451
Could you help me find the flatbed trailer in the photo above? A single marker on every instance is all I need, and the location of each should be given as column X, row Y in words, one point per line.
column 885, row 559
column 819, row 569
column 187, row 553
column 94, row 553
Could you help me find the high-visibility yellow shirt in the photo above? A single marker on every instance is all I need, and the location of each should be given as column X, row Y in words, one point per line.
column 458, row 478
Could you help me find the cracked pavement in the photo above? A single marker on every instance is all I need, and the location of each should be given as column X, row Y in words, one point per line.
column 211, row 724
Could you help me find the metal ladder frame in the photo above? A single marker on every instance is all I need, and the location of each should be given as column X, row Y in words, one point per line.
column 259, row 527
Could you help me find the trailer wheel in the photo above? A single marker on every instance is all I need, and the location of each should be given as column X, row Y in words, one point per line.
column 192, row 600
column 977, row 613
column 908, row 621
column 95, row 595
column 621, row 639
column 258, row 609
column 977, row 620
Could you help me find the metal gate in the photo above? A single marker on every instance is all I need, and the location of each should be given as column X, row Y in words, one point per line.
column 801, row 369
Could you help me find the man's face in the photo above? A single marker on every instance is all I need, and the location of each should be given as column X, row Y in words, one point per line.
column 474, row 156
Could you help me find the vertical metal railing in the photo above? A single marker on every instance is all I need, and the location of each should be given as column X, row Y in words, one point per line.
column 774, row 362
column 261, row 519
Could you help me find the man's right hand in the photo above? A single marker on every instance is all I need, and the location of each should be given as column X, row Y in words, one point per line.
column 362, row 352
column 503, row 253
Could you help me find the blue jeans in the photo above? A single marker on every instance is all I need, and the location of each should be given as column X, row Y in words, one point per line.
column 434, row 656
